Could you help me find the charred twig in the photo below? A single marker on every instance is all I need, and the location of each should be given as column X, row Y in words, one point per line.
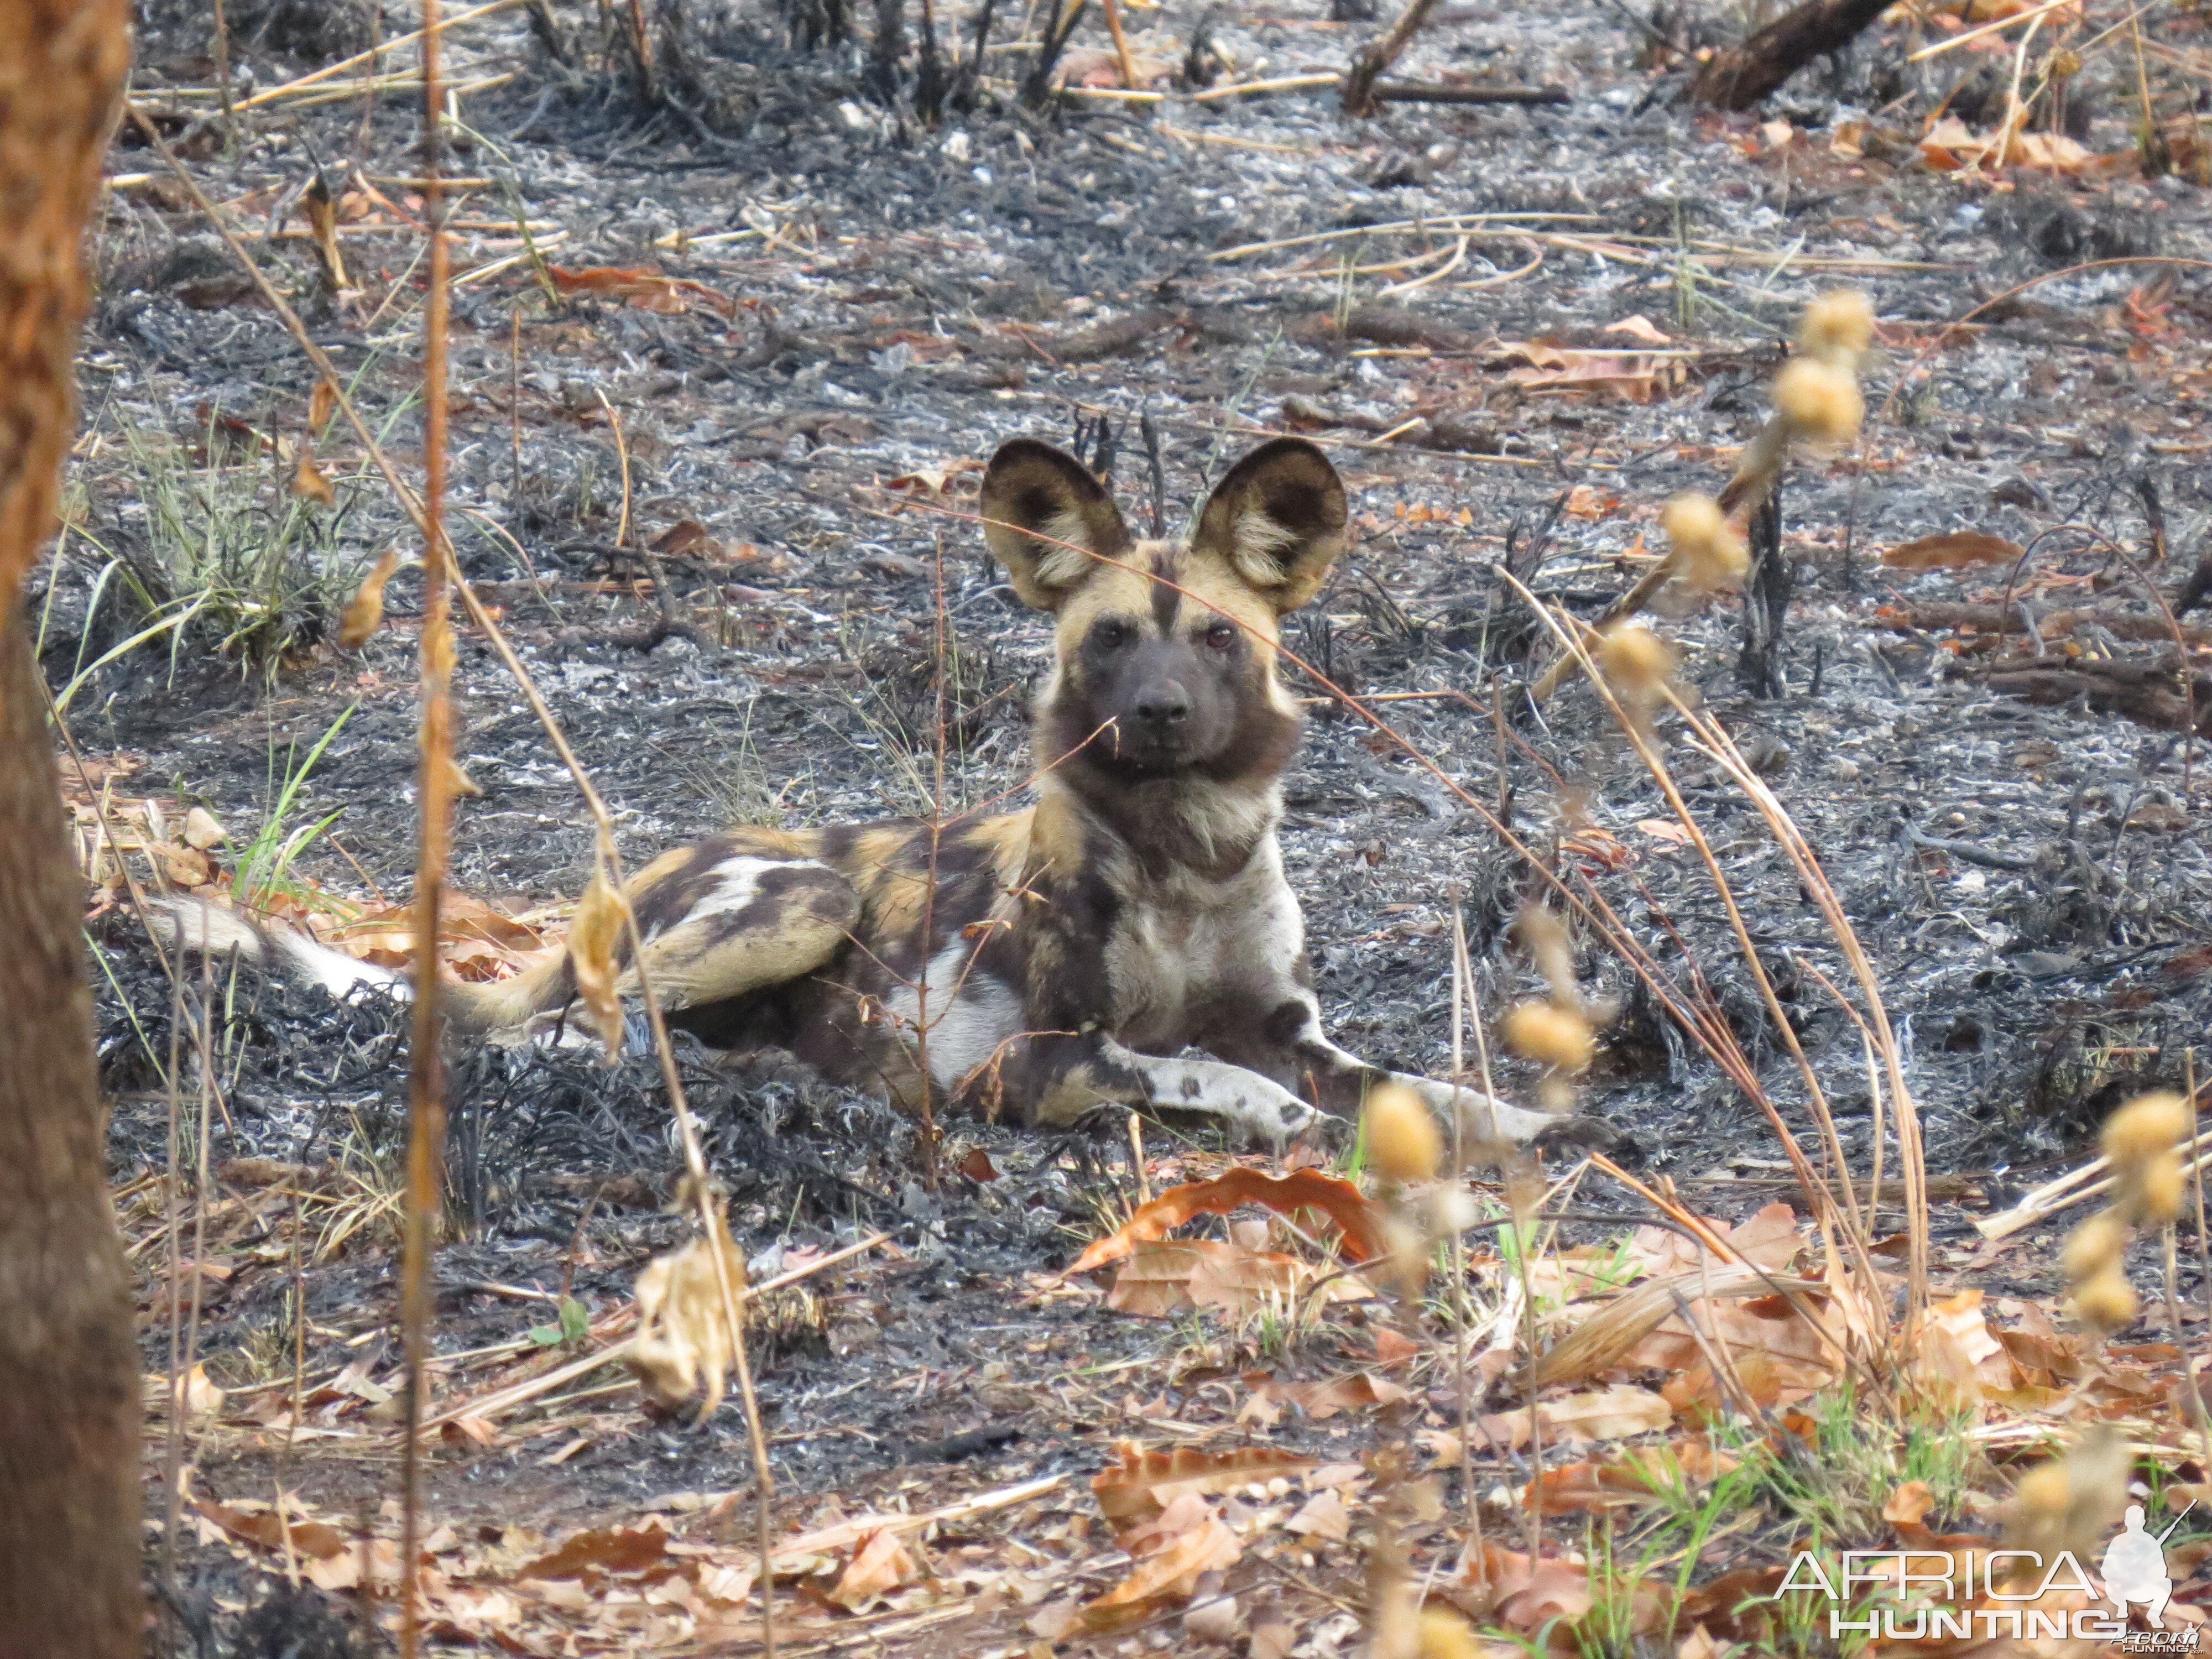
column 1360, row 83
column 1765, row 602
column 1036, row 86
column 2002, row 619
column 1149, row 430
column 1741, row 75
column 1431, row 92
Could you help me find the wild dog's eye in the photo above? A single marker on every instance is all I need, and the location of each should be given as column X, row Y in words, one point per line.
column 1221, row 635
column 1111, row 634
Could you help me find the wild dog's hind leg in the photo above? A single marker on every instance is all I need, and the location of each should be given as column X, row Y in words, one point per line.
column 1059, row 1078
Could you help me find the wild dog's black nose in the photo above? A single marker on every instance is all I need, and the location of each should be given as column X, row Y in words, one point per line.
column 1164, row 705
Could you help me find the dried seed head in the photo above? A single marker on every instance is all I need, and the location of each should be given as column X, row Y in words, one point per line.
column 1709, row 550
column 1837, row 326
column 1637, row 662
column 1545, row 937
column 2145, row 1127
column 594, row 941
column 2107, row 1300
column 1820, row 400
column 364, row 611
column 1402, row 1141
column 1446, row 1636
column 2157, row 1189
column 2070, row 1503
column 2093, row 1247
column 1558, row 1036
column 2063, row 64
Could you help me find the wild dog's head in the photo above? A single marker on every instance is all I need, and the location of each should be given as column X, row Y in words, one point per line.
column 1166, row 649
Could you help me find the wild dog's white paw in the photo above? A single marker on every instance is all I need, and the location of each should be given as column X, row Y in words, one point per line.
column 1485, row 1118
column 1267, row 1114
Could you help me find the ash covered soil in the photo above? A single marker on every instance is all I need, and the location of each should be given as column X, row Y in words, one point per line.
column 715, row 524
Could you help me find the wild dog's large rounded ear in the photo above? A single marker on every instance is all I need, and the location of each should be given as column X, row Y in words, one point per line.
column 1279, row 518
column 1041, row 507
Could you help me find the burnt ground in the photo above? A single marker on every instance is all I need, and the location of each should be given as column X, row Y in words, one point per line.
column 902, row 296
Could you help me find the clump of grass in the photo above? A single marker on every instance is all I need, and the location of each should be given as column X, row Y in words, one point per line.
column 223, row 553
column 1835, row 1480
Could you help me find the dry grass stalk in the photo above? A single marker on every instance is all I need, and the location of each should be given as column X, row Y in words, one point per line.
column 426, row 1074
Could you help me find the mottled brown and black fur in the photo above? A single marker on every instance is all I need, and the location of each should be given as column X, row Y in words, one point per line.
column 1048, row 963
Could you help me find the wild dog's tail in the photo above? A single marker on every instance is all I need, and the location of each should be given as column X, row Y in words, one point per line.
column 200, row 928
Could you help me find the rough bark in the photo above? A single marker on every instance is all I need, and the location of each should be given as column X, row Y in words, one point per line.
column 69, row 1368
column 1739, row 76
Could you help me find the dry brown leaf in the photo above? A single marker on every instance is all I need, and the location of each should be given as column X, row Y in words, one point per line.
column 641, row 286
column 322, row 223
column 1955, row 549
column 308, row 482
column 1636, row 377
column 263, row 1525
column 202, row 831
column 1322, row 1400
column 607, row 1549
column 364, row 611
column 594, row 941
column 1144, row 1483
column 1159, row 1280
column 1301, row 1193
column 683, row 1327
column 322, row 403
column 1323, row 1517
column 880, row 1565
column 1909, row 1503
column 1165, row 1576
column 1609, row 1413
column 1638, row 326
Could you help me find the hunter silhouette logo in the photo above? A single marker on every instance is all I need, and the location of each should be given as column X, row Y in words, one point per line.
column 1925, row 1594
column 2134, row 1567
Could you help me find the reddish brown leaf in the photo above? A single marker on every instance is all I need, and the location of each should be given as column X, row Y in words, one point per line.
column 976, row 1164
column 263, row 1527
column 642, row 286
column 1955, row 549
column 607, row 1549
column 1144, row 1482
column 1303, row 1193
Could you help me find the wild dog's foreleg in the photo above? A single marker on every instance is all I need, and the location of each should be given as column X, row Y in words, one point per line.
column 1288, row 1045
column 1060, row 1078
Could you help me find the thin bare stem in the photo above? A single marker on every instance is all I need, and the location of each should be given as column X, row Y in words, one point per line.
column 426, row 1092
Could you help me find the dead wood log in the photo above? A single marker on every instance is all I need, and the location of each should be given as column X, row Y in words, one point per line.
column 2158, row 691
column 1739, row 76
column 1367, row 68
column 1993, row 619
column 1430, row 92
column 69, row 1364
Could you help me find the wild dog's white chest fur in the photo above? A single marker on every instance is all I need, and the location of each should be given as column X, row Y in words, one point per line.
column 1184, row 944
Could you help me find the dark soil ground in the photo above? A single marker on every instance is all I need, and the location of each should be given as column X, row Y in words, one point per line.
column 907, row 294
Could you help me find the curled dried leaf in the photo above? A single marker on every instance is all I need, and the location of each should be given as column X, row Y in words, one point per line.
column 684, row 1334
column 364, row 611
column 322, row 403
column 594, row 957
column 308, row 482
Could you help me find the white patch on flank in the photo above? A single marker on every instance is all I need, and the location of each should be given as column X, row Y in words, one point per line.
column 737, row 884
column 971, row 1014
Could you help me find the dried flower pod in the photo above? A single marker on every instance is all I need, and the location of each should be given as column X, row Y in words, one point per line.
column 1558, row 1036
column 1636, row 660
column 1709, row 550
column 1402, row 1140
column 2070, row 1503
column 2093, row 1247
column 2145, row 1127
column 1446, row 1636
column 2155, row 1196
column 2107, row 1300
column 1837, row 326
column 1544, row 936
column 1820, row 400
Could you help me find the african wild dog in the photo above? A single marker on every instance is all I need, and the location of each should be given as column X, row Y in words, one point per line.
column 1075, row 949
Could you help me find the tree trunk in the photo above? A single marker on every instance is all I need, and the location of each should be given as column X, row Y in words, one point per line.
column 1737, row 78
column 68, row 1366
